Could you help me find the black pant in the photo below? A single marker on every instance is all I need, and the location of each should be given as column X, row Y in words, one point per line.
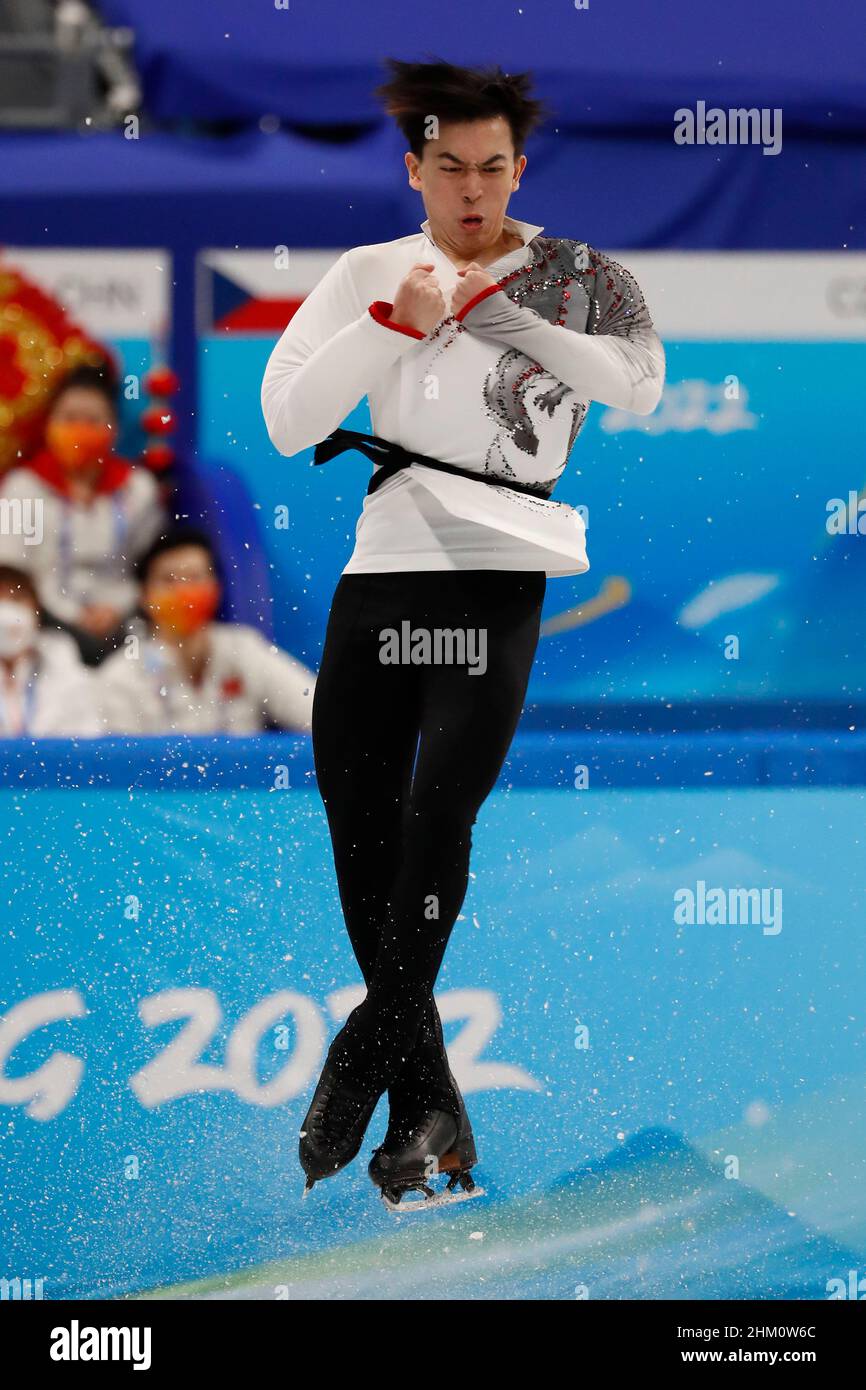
column 400, row 827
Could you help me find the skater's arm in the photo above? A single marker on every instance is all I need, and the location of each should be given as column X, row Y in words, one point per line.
column 332, row 351
column 618, row 361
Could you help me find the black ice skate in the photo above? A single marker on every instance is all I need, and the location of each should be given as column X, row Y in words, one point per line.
column 334, row 1127
column 415, row 1150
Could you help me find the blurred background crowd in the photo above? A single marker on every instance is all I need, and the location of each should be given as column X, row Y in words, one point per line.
column 108, row 605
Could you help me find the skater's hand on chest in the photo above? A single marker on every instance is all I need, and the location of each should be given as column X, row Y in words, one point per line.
column 470, row 282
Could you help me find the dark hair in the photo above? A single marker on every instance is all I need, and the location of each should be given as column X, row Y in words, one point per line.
column 13, row 578
column 102, row 379
column 173, row 539
column 417, row 91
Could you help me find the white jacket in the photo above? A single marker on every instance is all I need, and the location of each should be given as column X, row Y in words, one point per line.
column 143, row 689
column 81, row 554
column 54, row 695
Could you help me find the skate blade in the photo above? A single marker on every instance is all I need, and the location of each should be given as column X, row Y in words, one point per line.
column 439, row 1199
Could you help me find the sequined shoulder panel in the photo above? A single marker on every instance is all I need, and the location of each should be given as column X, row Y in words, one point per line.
column 570, row 283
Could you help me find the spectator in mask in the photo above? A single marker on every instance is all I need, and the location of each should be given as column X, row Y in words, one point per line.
column 86, row 515
column 45, row 690
column 180, row 671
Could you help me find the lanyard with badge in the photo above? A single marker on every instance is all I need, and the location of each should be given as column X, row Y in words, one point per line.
column 27, row 705
column 120, row 527
column 162, row 675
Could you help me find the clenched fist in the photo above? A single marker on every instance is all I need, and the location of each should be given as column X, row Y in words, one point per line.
column 418, row 302
column 472, row 281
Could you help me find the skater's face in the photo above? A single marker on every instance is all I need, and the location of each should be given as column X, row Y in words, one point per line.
column 466, row 177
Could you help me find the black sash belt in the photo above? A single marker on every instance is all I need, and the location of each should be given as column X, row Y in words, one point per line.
column 393, row 457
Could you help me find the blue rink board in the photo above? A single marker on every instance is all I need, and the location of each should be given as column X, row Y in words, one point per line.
column 705, row 1137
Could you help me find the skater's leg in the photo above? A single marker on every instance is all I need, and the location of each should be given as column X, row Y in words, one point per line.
column 467, row 723
column 365, row 732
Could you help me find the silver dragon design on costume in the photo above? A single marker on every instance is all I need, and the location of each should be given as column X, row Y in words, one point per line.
column 516, row 388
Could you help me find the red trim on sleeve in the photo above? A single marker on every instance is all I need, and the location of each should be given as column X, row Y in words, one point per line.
column 381, row 312
column 476, row 299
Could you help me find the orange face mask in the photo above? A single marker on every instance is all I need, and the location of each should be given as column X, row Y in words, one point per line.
column 78, row 443
column 184, row 608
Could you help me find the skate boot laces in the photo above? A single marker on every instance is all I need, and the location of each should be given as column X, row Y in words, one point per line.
column 342, row 1109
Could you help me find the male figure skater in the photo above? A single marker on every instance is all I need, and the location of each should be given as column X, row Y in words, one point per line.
column 479, row 343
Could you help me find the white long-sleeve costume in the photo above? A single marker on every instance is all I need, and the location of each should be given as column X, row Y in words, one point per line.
column 501, row 388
